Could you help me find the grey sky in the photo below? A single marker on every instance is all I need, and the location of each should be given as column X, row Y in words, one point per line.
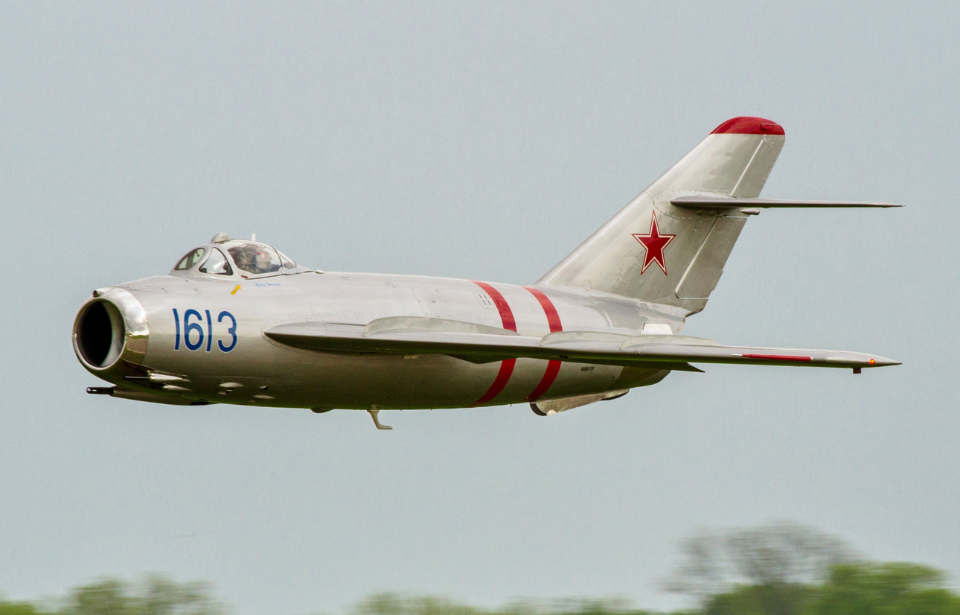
column 481, row 141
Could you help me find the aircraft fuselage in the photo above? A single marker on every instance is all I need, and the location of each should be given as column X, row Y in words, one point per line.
column 208, row 332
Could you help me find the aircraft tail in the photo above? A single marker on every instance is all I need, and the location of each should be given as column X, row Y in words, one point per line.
column 671, row 253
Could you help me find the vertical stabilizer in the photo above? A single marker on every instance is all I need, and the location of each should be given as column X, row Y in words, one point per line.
column 657, row 252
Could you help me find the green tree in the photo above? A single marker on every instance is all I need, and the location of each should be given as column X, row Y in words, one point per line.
column 884, row 589
column 154, row 595
column 105, row 597
column 570, row 606
column 768, row 570
column 161, row 596
column 20, row 608
column 759, row 599
column 399, row 604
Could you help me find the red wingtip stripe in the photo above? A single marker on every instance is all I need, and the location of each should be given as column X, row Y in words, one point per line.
column 748, row 126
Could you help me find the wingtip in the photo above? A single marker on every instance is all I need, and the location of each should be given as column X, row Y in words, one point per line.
column 882, row 362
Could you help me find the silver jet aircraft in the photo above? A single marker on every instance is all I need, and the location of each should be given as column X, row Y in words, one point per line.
column 239, row 322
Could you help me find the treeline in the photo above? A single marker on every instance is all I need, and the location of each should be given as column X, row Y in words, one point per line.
column 850, row 589
column 788, row 569
column 781, row 569
column 153, row 595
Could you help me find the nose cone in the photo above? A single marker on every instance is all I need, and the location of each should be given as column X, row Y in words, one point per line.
column 110, row 330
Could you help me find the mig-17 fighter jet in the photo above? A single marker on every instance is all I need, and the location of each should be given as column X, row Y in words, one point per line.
column 238, row 322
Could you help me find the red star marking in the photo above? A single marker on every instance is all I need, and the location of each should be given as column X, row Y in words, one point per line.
column 654, row 243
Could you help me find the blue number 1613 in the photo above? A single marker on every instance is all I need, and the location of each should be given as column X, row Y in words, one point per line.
column 194, row 334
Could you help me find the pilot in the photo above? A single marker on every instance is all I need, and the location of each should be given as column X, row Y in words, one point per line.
column 265, row 263
column 254, row 258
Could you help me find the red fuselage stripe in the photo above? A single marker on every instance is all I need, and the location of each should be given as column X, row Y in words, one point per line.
column 553, row 368
column 777, row 357
column 503, row 377
column 506, row 314
column 510, row 323
column 553, row 318
column 553, row 321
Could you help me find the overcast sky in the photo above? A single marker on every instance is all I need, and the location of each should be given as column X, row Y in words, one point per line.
column 482, row 141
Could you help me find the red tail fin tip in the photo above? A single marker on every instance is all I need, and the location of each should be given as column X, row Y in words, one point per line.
column 748, row 126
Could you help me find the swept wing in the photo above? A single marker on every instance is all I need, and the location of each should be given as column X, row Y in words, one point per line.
column 484, row 344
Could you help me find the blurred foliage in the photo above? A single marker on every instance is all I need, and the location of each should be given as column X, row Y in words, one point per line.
column 788, row 569
column 398, row 604
column 785, row 588
column 19, row 608
column 781, row 569
column 780, row 560
column 861, row 588
column 884, row 589
column 153, row 595
column 781, row 599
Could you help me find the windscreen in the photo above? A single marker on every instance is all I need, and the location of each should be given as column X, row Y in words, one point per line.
column 217, row 264
column 191, row 259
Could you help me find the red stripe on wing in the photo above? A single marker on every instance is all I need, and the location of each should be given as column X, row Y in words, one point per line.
column 777, row 357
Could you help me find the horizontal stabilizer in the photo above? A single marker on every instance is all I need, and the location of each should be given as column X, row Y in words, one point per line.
column 661, row 351
column 725, row 202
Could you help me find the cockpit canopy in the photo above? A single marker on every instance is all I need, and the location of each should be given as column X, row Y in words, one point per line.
column 225, row 257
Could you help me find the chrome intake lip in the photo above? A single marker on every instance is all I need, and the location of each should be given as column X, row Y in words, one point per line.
column 135, row 335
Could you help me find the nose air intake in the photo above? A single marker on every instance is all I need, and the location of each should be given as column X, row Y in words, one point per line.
column 110, row 327
column 100, row 334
